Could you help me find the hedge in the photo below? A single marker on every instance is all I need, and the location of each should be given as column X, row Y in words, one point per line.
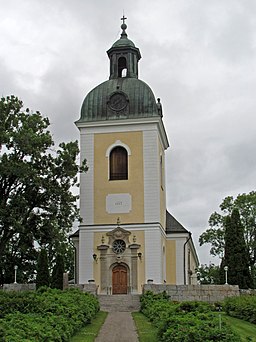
column 243, row 307
column 44, row 315
column 185, row 321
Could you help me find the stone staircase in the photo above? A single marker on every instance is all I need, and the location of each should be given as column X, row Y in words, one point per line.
column 119, row 303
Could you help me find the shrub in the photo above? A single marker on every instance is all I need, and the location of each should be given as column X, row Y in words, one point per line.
column 45, row 315
column 11, row 302
column 195, row 306
column 185, row 321
column 149, row 297
column 243, row 307
column 195, row 327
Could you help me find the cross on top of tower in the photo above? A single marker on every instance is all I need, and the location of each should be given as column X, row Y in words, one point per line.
column 123, row 18
column 123, row 27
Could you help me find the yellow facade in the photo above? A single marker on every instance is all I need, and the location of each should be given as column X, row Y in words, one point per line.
column 170, row 261
column 133, row 186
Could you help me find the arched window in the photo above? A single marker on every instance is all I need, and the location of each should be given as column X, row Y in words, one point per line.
column 118, row 164
column 121, row 66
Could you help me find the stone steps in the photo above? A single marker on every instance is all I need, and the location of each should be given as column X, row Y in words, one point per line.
column 119, row 303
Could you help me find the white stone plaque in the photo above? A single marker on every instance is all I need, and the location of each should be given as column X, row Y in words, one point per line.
column 118, row 203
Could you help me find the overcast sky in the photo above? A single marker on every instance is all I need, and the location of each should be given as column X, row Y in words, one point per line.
column 198, row 56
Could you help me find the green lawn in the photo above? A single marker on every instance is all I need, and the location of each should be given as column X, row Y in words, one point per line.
column 90, row 331
column 146, row 331
column 246, row 330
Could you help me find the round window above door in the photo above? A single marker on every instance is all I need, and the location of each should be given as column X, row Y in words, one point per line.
column 119, row 246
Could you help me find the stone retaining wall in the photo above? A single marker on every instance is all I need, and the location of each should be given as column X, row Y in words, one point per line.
column 205, row 293
column 91, row 288
column 19, row 287
column 250, row 292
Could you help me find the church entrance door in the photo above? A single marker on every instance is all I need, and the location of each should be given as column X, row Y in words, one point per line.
column 119, row 280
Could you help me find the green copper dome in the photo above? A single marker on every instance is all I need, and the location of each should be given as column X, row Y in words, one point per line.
column 123, row 96
column 123, row 42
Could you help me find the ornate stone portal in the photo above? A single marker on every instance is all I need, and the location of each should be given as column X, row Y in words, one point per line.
column 119, row 263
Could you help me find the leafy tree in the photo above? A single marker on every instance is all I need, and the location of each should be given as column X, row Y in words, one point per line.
column 208, row 274
column 43, row 274
column 246, row 204
column 236, row 255
column 37, row 206
column 57, row 273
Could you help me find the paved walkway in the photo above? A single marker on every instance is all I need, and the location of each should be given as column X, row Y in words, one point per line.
column 118, row 327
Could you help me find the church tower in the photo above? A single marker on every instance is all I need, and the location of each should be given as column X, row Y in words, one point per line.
column 123, row 241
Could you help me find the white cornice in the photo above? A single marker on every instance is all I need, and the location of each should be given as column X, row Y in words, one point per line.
column 106, row 125
column 129, row 227
column 173, row 236
column 136, row 226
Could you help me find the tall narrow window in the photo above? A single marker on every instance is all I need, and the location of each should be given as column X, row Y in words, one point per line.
column 121, row 66
column 161, row 172
column 118, row 164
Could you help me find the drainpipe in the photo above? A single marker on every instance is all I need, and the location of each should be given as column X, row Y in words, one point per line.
column 184, row 256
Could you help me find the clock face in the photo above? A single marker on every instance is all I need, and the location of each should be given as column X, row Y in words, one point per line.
column 117, row 102
column 119, row 246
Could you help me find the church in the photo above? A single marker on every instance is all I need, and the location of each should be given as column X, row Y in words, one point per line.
column 127, row 237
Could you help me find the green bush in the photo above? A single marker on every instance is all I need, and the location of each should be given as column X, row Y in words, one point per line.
column 195, row 327
column 185, row 321
column 45, row 315
column 34, row 327
column 195, row 306
column 243, row 307
column 155, row 306
column 11, row 302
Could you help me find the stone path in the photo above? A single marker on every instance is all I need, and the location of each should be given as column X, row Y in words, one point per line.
column 118, row 327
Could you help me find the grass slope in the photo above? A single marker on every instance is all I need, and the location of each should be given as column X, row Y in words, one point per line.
column 145, row 329
column 90, row 331
column 246, row 330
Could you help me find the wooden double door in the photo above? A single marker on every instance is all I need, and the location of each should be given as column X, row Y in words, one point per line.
column 119, row 280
